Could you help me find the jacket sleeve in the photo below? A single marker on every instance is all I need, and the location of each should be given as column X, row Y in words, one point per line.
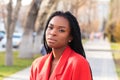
column 33, row 71
column 36, row 66
column 82, row 71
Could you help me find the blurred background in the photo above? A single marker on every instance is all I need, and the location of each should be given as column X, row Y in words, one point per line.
column 22, row 23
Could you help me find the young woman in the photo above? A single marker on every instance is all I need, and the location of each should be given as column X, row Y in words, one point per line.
column 65, row 59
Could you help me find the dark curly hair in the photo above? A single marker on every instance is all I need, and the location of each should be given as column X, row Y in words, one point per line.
column 76, row 43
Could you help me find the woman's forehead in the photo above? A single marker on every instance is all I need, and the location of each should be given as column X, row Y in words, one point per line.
column 59, row 21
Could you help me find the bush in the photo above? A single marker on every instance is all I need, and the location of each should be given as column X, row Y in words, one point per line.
column 113, row 31
column 109, row 31
column 117, row 32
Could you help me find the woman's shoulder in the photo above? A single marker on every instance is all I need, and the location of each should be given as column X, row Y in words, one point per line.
column 74, row 56
column 78, row 59
column 40, row 60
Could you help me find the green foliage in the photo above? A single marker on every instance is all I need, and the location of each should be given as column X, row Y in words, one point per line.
column 115, row 46
column 116, row 56
column 19, row 64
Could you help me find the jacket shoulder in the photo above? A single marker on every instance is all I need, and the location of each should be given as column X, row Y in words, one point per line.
column 78, row 59
column 81, row 67
column 39, row 61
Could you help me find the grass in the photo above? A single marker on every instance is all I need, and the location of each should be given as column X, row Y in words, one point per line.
column 116, row 55
column 84, row 41
column 19, row 64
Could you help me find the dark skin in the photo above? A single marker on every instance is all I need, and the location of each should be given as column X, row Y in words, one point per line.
column 57, row 37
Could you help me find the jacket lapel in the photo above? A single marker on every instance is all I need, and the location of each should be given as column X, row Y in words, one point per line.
column 61, row 64
column 46, row 68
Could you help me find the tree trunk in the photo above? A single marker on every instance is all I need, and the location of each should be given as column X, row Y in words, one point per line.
column 26, row 47
column 37, row 43
column 46, row 8
column 10, row 25
column 64, row 5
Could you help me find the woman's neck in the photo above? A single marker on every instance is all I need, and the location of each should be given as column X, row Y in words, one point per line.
column 57, row 52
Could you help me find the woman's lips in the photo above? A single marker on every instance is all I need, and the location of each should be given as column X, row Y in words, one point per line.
column 50, row 40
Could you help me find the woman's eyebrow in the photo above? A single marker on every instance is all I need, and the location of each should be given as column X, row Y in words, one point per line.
column 62, row 26
column 57, row 25
column 50, row 24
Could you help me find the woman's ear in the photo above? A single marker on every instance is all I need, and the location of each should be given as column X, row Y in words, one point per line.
column 70, row 39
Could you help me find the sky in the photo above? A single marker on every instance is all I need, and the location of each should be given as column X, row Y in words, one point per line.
column 27, row 2
column 24, row 2
column 104, row 0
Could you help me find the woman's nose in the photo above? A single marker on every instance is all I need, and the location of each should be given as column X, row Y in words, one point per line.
column 53, row 32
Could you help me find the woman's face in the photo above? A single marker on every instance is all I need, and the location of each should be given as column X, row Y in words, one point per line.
column 58, row 32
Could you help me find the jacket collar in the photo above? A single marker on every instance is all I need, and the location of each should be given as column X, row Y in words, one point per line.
column 44, row 75
column 59, row 67
column 61, row 63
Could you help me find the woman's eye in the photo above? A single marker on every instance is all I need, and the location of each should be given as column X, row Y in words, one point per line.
column 50, row 27
column 61, row 30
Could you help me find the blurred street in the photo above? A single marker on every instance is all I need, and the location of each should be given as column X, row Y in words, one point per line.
column 21, row 75
column 1, row 49
column 101, row 60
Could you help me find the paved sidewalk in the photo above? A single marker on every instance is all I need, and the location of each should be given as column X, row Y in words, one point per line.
column 101, row 60
column 21, row 75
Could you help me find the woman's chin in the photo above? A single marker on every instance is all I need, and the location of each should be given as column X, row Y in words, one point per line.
column 51, row 45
